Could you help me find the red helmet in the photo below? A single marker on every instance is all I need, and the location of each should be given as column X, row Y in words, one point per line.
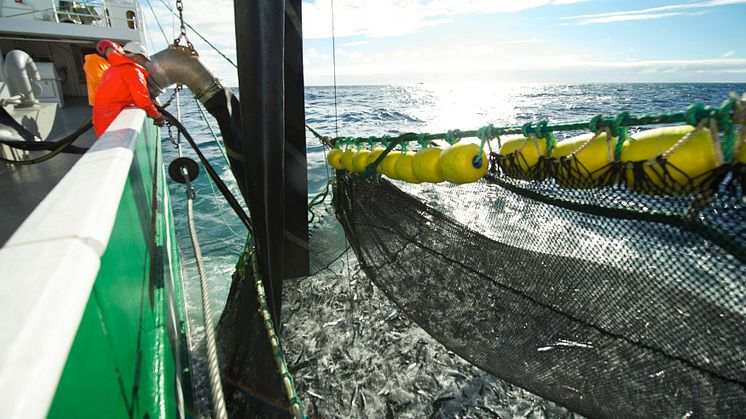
column 102, row 45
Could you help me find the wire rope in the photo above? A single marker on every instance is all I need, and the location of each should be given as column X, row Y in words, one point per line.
column 216, row 49
column 216, row 386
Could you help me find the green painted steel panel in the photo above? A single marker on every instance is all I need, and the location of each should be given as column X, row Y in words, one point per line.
column 122, row 362
column 91, row 356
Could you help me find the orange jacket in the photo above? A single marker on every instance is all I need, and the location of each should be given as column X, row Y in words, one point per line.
column 123, row 84
column 94, row 68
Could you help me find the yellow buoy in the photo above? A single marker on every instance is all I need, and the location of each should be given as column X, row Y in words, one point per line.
column 388, row 164
column 347, row 158
column 425, row 165
column 693, row 158
column 741, row 155
column 592, row 160
column 456, row 163
column 527, row 152
column 403, row 168
column 373, row 156
column 360, row 161
column 335, row 158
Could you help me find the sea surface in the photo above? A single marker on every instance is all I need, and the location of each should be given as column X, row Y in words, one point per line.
column 334, row 322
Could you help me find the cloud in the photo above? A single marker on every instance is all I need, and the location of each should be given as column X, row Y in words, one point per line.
column 624, row 18
column 385, row 18
column 651, row 13
column 728, row 54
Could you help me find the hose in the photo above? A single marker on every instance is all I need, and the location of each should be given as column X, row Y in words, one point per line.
column 232, row 201
column 55, row 147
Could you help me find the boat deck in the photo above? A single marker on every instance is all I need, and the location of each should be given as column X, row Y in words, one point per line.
column 24, row 187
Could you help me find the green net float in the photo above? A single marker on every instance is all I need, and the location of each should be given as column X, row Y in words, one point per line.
column 403, row 168
column 388, row 164
column 425, row 165
column 347, row 158
column 527, row 152
column 335, row 158
column 593, row 159
column 456, row 163
column 692, row 159
column 373, row 156
column 360, row 161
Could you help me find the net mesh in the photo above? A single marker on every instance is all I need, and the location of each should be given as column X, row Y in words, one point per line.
column 610, row 300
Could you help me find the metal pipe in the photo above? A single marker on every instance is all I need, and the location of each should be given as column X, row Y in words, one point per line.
column 22, row 77
column 179, row 64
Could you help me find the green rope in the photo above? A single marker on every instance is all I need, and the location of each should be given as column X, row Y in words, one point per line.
column 485, row 134
column 621, row 132
column 248, row 258
column 422, row 140
column 541, row 130
column 616, row 125
column 452, row 136
column 619, row 146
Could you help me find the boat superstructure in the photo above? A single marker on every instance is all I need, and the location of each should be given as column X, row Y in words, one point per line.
column 93, row 314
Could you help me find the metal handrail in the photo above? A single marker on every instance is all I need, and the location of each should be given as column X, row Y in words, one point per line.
column 96, row 17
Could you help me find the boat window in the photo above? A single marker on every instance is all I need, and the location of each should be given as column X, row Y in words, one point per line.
column 131, row 23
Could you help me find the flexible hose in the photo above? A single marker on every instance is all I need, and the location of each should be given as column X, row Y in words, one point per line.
column 61, row 146
column 232, row 201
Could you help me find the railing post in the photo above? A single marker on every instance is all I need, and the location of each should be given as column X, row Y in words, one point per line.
column 54, row 12
column 107, row 19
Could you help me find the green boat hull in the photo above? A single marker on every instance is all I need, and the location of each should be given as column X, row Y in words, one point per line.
column 128, row 356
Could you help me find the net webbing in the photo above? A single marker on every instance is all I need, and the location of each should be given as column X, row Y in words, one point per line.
column 610, row 302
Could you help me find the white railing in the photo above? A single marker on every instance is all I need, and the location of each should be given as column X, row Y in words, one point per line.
column 94, row 13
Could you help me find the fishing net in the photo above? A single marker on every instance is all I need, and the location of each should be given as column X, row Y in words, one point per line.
column 612, row 300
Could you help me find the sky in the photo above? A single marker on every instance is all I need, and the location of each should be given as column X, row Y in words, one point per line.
column 477, row 41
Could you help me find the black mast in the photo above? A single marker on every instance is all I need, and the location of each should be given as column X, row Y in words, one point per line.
column 272, row 117
column 273, row 156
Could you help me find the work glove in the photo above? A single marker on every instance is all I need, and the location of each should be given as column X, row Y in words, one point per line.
column 159, row 120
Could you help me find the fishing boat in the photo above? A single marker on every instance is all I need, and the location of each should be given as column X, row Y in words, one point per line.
column 91, row 278
column 92, row 282
column 647, row 325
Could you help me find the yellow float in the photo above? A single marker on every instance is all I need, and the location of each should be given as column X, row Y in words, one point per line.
column 741, row 155
column 360, row 161
column 692, row 159
column 335, row 158
column 347, row 158
column 527, row 152
column 403, row 168
column 455, row 163
column 594, row 157
column 373, row 156
column 388, row 164
column 425, row 165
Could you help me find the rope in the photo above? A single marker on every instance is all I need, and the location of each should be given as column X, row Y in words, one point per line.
column 185, row 23
column 248, row 257
column 232, row 201
column 165, row 38
column 334, row 74
column 212, row 132
column 225, row 157
column 213, row 367
column 617, row 125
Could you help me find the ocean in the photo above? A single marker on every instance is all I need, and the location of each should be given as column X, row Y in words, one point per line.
column 335, row 321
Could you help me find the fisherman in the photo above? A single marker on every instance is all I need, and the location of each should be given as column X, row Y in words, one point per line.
column 124, row 84
column 96, row 64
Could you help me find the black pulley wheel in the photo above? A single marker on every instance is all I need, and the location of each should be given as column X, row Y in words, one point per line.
column 174, row 169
